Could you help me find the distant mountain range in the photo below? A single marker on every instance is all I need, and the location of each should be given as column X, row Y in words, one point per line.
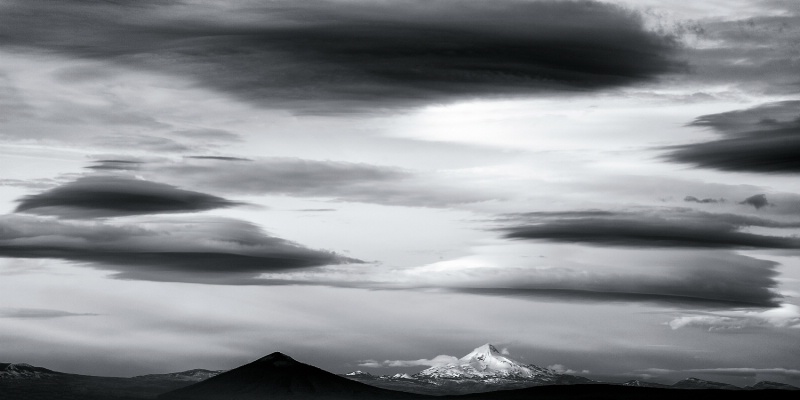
column 25, row 381
column 485, row 371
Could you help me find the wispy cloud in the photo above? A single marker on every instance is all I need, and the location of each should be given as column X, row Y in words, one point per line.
column 439, row 360
column 39, row 313
column 335, row 180
column 562, row 369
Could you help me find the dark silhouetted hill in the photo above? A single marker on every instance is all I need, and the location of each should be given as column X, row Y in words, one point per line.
column 278, row 376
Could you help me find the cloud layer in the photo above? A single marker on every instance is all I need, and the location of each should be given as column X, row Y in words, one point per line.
column 362, row 55
column 763, row 139
column 654, row 228
column 104, row 196
column 439, row 360
column 567, row 273
column 207, row 250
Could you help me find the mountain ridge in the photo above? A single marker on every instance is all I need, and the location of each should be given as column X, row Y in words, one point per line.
column 23, row 371
column 192, row 375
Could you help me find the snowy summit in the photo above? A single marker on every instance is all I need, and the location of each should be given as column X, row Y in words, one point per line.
column 487, row 362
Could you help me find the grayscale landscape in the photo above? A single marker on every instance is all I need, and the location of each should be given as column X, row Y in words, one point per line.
column 482, row 374
column 399, row 199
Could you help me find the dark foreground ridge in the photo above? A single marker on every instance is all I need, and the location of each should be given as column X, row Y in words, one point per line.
column 278, row 376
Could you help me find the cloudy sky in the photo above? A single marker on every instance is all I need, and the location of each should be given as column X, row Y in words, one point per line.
column 609, row 187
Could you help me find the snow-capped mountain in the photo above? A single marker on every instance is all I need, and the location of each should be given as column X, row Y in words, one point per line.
column 483, row 369
column 24, row 371
column 360, row 373
column 487, row 362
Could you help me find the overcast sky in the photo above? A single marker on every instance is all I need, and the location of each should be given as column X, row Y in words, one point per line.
column 610, row 187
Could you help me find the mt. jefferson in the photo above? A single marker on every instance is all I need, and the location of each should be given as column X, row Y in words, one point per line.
column 483, row 369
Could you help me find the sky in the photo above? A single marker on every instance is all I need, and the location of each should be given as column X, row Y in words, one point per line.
column 607, row 188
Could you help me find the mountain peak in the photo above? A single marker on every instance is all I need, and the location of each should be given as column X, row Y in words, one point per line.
column 278, row 376
column 359, row 373
column 276, row 358
column 488, row 348
column 483, row 353
column 486, row 362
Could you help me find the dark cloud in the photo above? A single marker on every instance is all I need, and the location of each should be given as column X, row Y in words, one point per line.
column 206, row 250
column 692, row 199
column 665, row 228
column 764, row 139
column 758, row 201
column 118, row 162
column 365, row 55
column 103, row 196
column 780, row 114
column 341, row 181
column 37, row 313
